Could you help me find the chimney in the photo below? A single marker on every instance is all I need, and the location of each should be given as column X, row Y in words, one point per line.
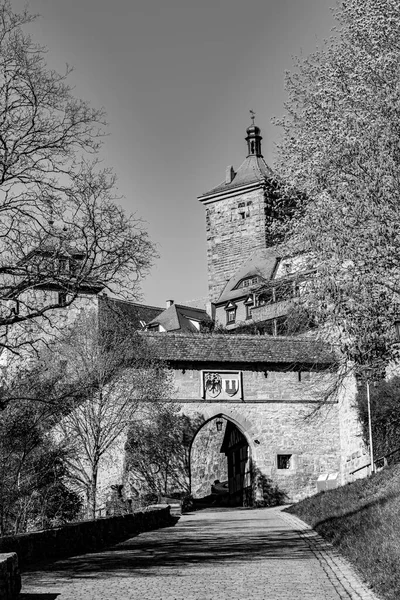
column 169, row 303
column 229, row 174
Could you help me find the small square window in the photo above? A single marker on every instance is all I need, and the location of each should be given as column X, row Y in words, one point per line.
column 15, row 308
column 284, row 461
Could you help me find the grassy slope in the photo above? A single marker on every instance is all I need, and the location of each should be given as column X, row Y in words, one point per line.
column 362, row 519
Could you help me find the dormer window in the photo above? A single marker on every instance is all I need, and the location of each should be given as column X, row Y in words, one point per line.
column 249, row 303
column 230, row 313
column 245, row 283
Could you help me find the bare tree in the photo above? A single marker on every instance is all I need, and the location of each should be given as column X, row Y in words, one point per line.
column 61, row 231
column 108, row 376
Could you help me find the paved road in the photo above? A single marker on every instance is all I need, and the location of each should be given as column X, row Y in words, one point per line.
column 220, row 554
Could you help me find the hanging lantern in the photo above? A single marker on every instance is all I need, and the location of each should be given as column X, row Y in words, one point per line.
column 218, row 424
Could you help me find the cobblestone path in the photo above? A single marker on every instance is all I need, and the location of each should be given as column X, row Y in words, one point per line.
column 221, row 554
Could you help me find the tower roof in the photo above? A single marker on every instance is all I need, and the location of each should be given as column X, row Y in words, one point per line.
column 253, row 170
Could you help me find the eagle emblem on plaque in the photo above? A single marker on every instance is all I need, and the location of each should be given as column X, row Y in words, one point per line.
column 213, row 384
column 223, row 385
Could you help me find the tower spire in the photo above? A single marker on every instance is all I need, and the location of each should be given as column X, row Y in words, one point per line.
column 253, row 138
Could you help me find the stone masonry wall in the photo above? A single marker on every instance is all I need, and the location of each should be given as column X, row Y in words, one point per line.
column 231, row 239
column 354, row 452
column 279, row 415
column 207, row 462
column 289, row 429
column 259, row 386
column 85, row 536
column 10, row 577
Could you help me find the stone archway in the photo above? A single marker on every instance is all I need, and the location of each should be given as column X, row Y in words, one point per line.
column 220, row 463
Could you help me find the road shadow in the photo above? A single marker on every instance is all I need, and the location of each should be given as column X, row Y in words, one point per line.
column 192, row 542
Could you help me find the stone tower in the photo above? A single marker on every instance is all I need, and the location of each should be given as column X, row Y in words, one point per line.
column 236, row 215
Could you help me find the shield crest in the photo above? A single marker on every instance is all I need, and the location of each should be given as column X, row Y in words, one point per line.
column 213, row 384
column 231, row 386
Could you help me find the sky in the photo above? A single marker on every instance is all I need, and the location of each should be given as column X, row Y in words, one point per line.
column 177, row 79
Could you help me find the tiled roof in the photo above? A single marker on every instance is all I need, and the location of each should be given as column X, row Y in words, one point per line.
column 136, row 314
column 251, row 349
column 177, row 317
column 253, row 169
column 261, row 263
column 199, row 303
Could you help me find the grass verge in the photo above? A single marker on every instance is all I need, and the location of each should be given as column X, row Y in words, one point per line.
column 362, row 519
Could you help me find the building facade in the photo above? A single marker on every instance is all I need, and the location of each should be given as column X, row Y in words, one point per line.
column 274, row 391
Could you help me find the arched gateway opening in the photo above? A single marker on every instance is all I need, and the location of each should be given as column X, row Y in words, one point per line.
column 220, row 464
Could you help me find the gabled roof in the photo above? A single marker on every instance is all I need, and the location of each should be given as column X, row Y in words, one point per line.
column 178, row 318
column 262, row 263
column 120, row 310
column 252, row 170
column 227, row 349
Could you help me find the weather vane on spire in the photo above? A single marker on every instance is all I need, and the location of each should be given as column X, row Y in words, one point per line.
column 253, row 115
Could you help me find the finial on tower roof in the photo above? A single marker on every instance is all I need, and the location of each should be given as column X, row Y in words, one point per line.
column 253, row 138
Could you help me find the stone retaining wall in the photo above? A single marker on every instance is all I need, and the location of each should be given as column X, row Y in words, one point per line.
column 82, row 537
column 10, row 578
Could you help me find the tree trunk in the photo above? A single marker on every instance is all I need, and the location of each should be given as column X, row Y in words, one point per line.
column 92, row 495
